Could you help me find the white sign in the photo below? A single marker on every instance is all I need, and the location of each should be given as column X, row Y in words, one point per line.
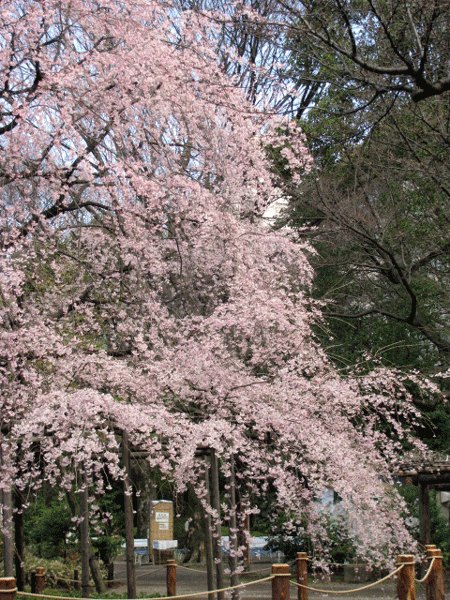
column 165, row 544
column 162, row 517
column 163, row 526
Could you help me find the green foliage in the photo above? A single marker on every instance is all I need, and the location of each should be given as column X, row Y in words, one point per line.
column 440, row 527
column 336, row 543
column 58, row 572
column 46, row 525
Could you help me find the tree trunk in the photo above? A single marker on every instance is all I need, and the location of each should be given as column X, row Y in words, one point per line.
column 128, row 513
column 95, row 572
column 8, row 543
column 91, row 562
column 215, row 502
column 84, row 535
column 234, row 579
column 110, row 568
column 18, row 539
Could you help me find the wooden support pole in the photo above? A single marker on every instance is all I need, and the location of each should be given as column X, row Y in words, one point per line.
column 18, row 541
column 209, row 550
column 247, row 562
column 233, row 560
column 215, row 502
column 171, row 577
column 424, row 514
column 84, row 534
column 7, row 588
column 302, row 574
column 128, row 515
column 280, row 582
column 434, row 584
column 406, row 583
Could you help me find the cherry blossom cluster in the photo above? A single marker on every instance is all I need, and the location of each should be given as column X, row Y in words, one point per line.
column 139, row 290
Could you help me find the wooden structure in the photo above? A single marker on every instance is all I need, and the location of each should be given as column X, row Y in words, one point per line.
column 433, row 473
column 161, row 528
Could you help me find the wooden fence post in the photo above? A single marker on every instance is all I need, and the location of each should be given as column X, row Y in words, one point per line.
column 7, row 588
column 280, row 582
column 434, row 584
column 406, row 583
column 40, row 580
column 171, row 577
column 302, row 574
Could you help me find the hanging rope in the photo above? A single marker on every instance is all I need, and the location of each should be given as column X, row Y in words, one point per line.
column 341, row 592
column 191, row 569
column 195, row 595
column 425, row 577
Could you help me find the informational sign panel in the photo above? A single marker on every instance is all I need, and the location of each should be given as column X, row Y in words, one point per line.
column 162, row 517
column 161, row 527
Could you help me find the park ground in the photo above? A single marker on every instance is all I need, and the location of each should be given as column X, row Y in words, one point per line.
column 151, row 579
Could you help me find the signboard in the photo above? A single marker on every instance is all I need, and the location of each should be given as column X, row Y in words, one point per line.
column 165, row 544
column 162, row 517
column 163, row 526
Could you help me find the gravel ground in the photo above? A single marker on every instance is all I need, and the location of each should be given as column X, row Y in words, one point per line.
column 151, row 579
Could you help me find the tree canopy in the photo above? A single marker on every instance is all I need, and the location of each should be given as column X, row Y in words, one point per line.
column 140, row 291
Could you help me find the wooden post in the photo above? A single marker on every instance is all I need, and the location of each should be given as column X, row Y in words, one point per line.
column 207, row 529
column 424, row 514
column 406, row 583
column 280, row 582
column 40, row 580
column 171, row 577
column 215, row 502
column 84, row 533
column 434, row 584
column 247, row 562
column 128, row 514
column 8, row 588
column 233, row 560
column 302, row 574
column 18, row 541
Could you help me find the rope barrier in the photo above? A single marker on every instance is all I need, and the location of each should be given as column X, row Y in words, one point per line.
column 7, row 591
column 257, row 571
column 28, row 594
column 149, row 573
column 425, row 577
column 341, row 592
column 195, row 595
column 191, row 569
